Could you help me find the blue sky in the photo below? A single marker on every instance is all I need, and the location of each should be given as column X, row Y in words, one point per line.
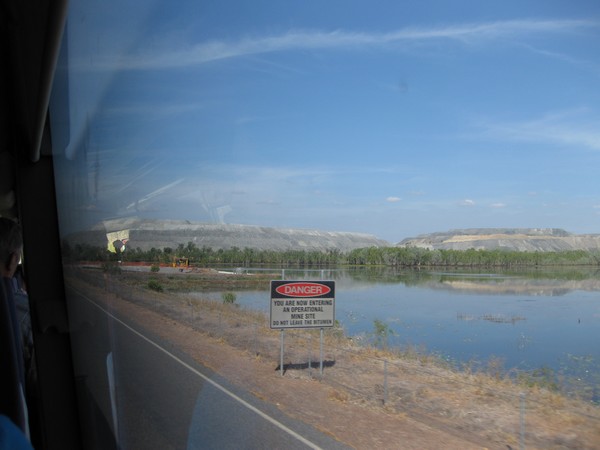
column 389, row 118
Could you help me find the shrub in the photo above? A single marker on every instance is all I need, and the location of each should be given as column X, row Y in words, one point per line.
column 155, row 285
column 228, row 297
column 381, row 333
column 154, row 268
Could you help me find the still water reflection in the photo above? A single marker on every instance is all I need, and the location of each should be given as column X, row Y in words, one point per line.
column 527, row 319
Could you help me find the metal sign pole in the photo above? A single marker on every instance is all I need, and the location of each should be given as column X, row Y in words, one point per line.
column 281, row 353
column 309, row 355
column 321, row 354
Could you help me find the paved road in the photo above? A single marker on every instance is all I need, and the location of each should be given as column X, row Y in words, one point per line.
column 163, row 399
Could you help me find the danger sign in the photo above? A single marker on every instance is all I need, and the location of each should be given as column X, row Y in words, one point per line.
column 302, row 304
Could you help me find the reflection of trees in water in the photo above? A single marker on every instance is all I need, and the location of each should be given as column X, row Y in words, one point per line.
column 552, row 283
column 371, row 275
column 525, row 287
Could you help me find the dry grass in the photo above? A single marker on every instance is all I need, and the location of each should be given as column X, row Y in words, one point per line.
column 423, row 387
column 338, row 395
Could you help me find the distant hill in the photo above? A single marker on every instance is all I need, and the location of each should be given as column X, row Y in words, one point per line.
column 518, row 239
column 159, row 234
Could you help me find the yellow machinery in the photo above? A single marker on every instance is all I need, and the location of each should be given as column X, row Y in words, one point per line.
column 181, row 262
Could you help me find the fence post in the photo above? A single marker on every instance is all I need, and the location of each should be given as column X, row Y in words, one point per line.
column 522, row 422
column 385, row 382
column 255, row 339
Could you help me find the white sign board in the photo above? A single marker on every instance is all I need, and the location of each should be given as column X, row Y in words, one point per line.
column 302, row 304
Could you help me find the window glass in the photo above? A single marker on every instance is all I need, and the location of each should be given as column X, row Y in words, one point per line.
column 317, row 129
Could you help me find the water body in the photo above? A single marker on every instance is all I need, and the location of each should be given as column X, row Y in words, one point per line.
column 527, row 320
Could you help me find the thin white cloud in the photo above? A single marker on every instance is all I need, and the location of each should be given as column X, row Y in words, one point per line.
column 498, row 205
column 393, row 199
column 564, row 57
column 467, row 202
column 574, row 127
column 205, row 52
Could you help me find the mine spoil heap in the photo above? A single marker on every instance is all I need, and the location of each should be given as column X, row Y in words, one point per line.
column 159, row 234
column 517, row 239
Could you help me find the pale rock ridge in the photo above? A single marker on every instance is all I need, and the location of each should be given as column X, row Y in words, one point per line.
column 517, row 239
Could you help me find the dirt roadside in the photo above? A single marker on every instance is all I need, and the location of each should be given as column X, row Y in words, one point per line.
column 313, row 402
column 431, row 407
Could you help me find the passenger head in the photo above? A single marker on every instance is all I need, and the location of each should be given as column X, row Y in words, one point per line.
column 11, row 244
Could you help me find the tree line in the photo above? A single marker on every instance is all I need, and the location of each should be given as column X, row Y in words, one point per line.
column 416, row 257
column 370, row 256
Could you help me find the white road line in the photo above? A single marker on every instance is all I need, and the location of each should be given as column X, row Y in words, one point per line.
column 204, row 377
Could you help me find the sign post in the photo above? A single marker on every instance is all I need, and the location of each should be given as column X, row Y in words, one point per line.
column 282, row 332
column 321, row 354
column 302, row 304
